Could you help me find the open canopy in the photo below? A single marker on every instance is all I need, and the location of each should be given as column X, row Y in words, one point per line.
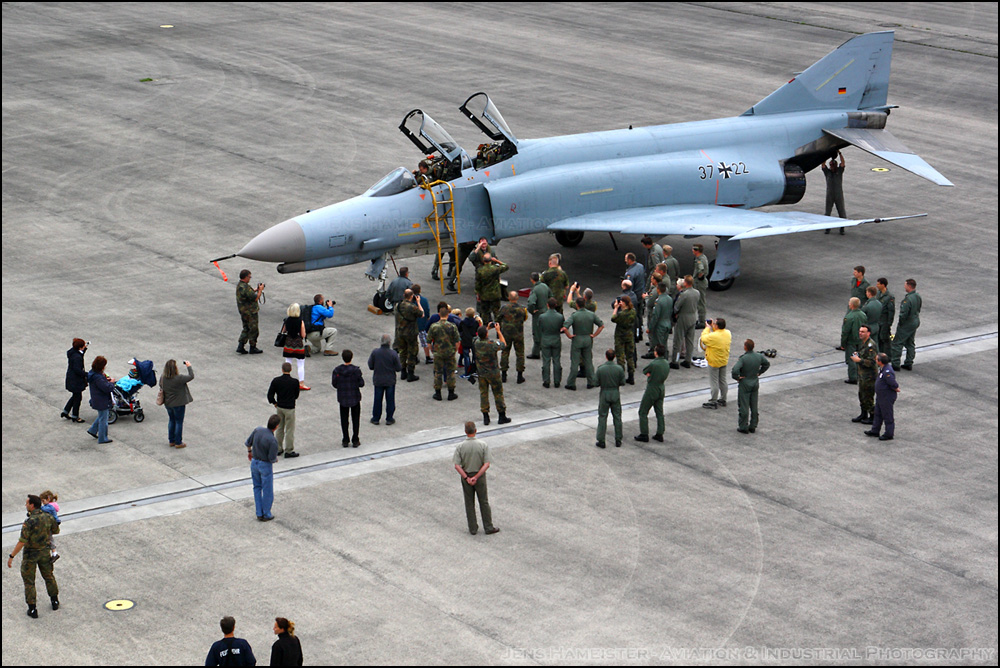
column 481, row 111
column 428, row 136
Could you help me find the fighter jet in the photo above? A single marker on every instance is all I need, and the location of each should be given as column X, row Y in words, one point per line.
column 690, row 179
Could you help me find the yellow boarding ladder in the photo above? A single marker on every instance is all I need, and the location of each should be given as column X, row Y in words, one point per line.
column 444, row 211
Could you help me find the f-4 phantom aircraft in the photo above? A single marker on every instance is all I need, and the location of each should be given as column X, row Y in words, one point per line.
column 690, row 179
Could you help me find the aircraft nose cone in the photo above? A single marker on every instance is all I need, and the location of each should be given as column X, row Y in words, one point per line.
column 285, row 242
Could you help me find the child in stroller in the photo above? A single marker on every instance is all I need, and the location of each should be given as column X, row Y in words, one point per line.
column 125, row 391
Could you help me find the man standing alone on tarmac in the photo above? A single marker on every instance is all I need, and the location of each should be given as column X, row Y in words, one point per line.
column 247, row 301
column 746, row 372
column 36, row 535
column 471, row 460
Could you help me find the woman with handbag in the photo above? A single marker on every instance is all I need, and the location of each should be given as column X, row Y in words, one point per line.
column 294, row 346
column 175, row 396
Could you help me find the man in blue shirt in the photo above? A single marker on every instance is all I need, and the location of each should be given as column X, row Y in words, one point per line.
column 317, row 333
column 230, row 651
column 262, row 451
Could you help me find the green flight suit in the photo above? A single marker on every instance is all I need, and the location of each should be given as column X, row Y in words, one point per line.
column 489, row 374
column 873, row 311
column 850, row 341
column 906, row 330
column 700, row 275
column 654, row 256
column 746, row 372
column 867, row 372
column 246, row 302
column 511, row 319
column 538, row 303
column 610, row 377
column 550, row 326
column 443, row 338
column 859, row 289
column 656, row 374
column 673, row 273
column 661, row 321
column 625, row 339
column 582, row 324
column 558, row 283
column 36, row 534
column 685, row 317
column 888, row 301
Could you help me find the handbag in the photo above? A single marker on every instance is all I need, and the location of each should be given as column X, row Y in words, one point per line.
column 159, row 395
column 279, row 340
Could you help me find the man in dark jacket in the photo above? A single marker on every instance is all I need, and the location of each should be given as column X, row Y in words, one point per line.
column 385, row 362
column 348, row 380
column 230, row 651
column 282, row 394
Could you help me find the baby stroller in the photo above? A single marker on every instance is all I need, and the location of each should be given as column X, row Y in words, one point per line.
column 124, row 393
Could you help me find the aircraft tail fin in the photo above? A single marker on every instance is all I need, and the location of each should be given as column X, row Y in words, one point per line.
column 853, row 76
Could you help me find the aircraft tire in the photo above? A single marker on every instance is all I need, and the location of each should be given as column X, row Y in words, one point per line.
column 569, row 239
column 719, row 286
column 379, row 301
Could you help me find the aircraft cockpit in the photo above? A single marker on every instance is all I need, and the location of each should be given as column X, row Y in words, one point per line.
column 430, row 138
column 396, row 181
column 479, row 108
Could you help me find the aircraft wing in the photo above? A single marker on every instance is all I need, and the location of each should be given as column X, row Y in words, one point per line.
column 708, row 220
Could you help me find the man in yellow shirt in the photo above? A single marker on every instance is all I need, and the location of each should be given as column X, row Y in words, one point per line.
column 716, row 340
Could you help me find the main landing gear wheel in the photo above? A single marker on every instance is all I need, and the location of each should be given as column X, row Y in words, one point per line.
column 719, row 286
column 569, row 239
column 381, row 301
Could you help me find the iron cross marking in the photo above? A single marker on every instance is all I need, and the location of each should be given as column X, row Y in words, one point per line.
column 724, row 169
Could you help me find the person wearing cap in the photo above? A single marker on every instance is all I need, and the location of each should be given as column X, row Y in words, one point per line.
column 700, row 274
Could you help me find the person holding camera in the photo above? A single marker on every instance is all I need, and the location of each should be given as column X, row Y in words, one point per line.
column 319, row 336
column 716, row 341
column 489, row 372
column 76, row 380
column 176, row 397
column 248, row 303
column 488, row 289
column 407, row 313
column 624, row 317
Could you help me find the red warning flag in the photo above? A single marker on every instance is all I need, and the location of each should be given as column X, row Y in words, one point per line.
column 224, row 277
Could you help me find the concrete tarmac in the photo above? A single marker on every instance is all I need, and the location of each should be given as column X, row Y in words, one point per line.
column 133, row 153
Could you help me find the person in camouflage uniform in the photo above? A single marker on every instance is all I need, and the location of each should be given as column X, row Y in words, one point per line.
column 407, row 314
column 864, row 357
column 489, row 373
column 247, row 301
column 700, row 274
column 888, row 314
column 512, row 318
column 624, row 316
column 538, row 303
column 443, row 338
column 488, row 288
column 36, row 535
column 550, row 328
column 557, row 280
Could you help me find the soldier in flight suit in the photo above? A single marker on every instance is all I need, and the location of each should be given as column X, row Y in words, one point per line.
column 867, row 370
column 443, row 337
column 550, row 328
column 36, row 534
column 656, row 374
column 888, row 314
column 489, row 374
column 685, row 315
column 512, row 317
column 247, row 301
column 835, row 188
column 873, row 311
column 610, row 376
column 538, row 303
column 746, row 372
column 700, row 275
column 906, row 328
column 579, row 327
column 849, row 340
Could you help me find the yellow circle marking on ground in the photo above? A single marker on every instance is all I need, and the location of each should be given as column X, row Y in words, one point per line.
column 880, row 169
column 119, row 605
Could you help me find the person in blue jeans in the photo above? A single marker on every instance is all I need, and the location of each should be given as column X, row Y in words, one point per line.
column 385, row 362
column 100, row 399
column 262, row 451
column 176, row 397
